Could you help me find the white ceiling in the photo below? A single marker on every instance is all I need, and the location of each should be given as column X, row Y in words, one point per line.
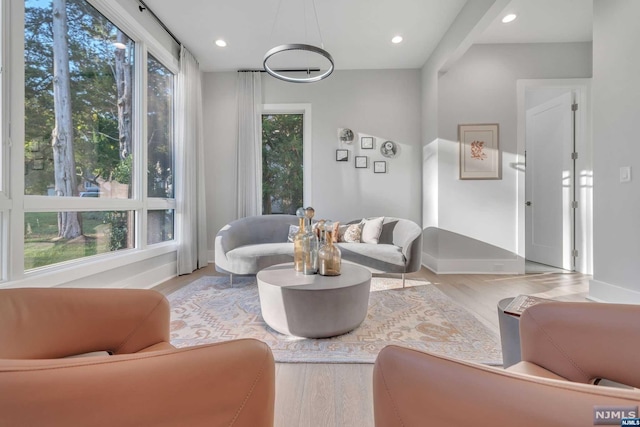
column 543, row 21
column 357, row 33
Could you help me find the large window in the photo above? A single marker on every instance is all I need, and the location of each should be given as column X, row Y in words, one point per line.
column 160, row 148
column 78, row 102
column 282, row 163
column 159, row 129
column 87, row 189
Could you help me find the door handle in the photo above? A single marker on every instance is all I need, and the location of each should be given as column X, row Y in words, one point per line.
column 528, row 203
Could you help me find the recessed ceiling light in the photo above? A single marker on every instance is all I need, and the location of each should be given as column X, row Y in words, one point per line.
column 221, row 43
column 509, row 18
column 396, row 39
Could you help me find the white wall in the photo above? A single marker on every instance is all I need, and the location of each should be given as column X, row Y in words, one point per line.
column 481, row 88
column 616, row 91
column 382, row 103
column 472, row 20
column 220, row 112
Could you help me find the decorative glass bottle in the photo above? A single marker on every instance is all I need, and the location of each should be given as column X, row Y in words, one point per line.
column 320, row 232
column 329, row 256
column 297, row 240
column 309, row 245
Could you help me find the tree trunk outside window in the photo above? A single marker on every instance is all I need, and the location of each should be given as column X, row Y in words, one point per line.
column 62, row 135
column 123, row 83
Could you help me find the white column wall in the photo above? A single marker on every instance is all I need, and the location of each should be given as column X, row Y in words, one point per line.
column 616, row 108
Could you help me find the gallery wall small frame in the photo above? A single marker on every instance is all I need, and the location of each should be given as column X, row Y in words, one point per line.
column 362, row 162
column 342, row 155
column 380, row 167
column 366, row 143
column 480, row 156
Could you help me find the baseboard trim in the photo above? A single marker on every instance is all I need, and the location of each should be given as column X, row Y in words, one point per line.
column 211, row 256
column 606, row 292
column 151, row 278
column 430, row 262
column 471, row 266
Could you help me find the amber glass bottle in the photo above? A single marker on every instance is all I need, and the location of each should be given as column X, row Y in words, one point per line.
column 329, row 256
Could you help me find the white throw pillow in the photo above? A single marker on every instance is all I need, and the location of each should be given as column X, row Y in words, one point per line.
column 371, row 230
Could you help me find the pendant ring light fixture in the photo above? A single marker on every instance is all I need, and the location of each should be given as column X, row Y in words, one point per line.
column 302, row 47
column 306, row 47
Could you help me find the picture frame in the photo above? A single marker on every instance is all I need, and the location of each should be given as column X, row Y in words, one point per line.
column 480, row 156
column 389, row 149
column 366, row 143
column 342, row 155
column 361, row 162
column 345, row 135
column 380, row 167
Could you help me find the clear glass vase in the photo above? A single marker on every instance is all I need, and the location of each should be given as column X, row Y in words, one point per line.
column 309, row 245
column 298, row 248
column 329, row 255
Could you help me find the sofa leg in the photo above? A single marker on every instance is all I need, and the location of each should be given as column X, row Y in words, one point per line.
column 231, row 280
column 402, row 280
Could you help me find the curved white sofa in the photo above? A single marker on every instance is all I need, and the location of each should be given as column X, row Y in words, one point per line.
column 247, row 245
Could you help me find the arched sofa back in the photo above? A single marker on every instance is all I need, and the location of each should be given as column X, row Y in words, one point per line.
column 272, row 231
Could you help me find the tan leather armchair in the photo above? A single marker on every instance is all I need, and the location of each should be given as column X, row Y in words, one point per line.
column 146, row 382
column 566, row 347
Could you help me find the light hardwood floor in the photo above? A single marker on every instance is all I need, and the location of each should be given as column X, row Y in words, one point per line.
column 340, row 395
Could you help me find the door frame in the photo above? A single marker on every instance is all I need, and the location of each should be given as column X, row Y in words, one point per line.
column 583, row 168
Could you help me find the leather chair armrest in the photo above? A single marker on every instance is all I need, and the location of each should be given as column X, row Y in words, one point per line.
column 43, row 323
column 583, row 341
column 412, row 388
column 222, row 384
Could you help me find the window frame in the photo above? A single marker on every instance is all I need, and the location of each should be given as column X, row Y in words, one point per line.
column 5, row 141
column 307, row 155
column 14, row 203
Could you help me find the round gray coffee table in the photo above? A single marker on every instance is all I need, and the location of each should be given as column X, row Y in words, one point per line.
column 313, row 306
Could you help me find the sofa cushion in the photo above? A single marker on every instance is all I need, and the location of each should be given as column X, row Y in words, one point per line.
column 371, row 229
column 379, row 258
column 249, row 259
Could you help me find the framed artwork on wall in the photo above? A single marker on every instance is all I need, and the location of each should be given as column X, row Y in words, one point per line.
column 361, row 162
column 342, row 155
column 479, row 151
column 380, row 167
column 345, row 135
column 366, row 143
column 389, row 149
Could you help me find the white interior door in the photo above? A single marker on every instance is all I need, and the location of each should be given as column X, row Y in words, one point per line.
column 549, row 183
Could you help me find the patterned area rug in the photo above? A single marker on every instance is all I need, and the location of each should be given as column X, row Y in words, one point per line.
column 419, row 316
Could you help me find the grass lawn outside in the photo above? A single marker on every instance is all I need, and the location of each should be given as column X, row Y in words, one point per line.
column 43, row 247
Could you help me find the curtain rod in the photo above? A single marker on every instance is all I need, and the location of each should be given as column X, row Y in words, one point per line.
column 142, row 7
column 290, row 70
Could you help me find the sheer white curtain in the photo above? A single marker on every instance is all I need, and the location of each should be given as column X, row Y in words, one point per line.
column 249, row 158
column 191, row 212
